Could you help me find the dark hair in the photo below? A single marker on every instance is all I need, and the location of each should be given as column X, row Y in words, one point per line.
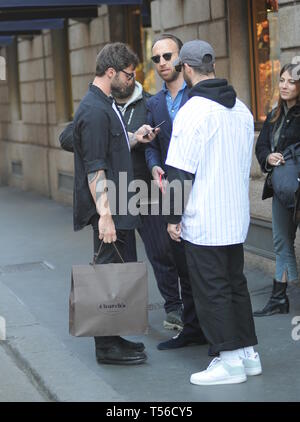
column 176, row 40
column 279, row 109
column 207, row 66
column 116, row 55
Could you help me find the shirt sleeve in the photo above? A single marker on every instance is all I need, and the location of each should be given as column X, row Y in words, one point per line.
column 185, row 147
column 94, row 140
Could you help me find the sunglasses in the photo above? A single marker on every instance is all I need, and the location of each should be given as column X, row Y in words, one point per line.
column 167, row 57
column 129, row 75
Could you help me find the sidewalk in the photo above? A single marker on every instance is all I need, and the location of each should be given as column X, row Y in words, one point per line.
column 38, row 247
column 15, row 385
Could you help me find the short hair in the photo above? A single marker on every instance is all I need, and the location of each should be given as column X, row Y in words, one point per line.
column 176, row 40
column 207, row 66
column 116, row 55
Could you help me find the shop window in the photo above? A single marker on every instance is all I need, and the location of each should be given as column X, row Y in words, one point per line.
column 132, row 24
column 265, row 48
column 62, row 75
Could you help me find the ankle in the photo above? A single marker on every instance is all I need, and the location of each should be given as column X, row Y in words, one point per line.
column 231, row 357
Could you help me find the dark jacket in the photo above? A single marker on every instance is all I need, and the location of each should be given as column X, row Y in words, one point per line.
column 157, row 150
column 289, row 134
column 100, row 143
column 135, row 116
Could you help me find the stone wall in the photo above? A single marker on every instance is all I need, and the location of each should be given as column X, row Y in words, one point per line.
column 30, row 154
column 289, row 29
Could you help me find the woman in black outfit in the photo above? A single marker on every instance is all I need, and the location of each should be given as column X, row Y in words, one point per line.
column 281, row 129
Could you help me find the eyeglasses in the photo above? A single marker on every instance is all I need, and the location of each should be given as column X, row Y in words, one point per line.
column 179, row 67
column 129, row 75
column 167, row 57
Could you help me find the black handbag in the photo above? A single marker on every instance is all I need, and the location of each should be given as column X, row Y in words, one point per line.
column 268, row 188
column 285, row 177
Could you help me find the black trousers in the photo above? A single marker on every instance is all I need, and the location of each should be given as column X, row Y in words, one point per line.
column 221, row 296
column 157, row 245
column 189, row 316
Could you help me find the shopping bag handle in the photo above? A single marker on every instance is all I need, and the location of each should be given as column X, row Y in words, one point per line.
column 99, row 250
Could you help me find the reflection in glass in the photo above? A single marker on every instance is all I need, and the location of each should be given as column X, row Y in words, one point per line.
column 267, row 55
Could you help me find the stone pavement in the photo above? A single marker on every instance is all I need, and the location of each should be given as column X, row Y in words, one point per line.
column 40, row 361
column 16, row 385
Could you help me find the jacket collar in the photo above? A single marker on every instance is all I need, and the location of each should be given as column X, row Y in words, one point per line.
column 99, row 93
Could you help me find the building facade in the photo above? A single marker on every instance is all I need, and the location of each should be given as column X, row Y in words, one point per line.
column 48, row 74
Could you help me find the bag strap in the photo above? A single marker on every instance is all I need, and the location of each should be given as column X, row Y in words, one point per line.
column 99, row 250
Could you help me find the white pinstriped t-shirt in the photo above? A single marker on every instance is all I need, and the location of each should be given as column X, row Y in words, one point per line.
column 215, row 144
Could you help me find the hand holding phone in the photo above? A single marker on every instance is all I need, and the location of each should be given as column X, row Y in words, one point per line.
column 154, row 128
column 162, row 183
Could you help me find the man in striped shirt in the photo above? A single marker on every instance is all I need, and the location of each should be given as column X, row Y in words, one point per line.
column 211, row 146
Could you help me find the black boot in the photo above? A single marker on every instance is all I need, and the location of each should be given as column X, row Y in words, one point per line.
column 278, row 302
column 112, row 350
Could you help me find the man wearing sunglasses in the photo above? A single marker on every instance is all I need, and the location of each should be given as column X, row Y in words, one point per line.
column 164, row 106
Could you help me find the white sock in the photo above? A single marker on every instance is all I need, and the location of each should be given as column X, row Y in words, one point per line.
column 249, row 352
column 242, row 353
column 232, row 357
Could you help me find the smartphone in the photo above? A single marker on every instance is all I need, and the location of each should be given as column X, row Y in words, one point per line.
column 153, row 129
column 161, row 123
column 162, row 183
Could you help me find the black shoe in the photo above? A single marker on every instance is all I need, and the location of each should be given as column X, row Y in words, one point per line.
column 110, row 350
column 182, row 340
column 131, row 345
column 278, row 302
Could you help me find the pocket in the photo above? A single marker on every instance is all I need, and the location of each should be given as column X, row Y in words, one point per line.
column 116, row 139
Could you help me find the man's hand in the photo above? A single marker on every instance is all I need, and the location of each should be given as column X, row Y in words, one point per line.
column 174, row 231
column 156, row 173
column 107, row 230
column 145, row 134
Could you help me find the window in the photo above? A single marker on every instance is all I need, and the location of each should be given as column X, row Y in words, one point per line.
column 265, row 47
column 132, row 24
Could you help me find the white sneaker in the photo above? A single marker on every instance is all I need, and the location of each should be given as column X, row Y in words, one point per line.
column 252, row 365
column 220, row 372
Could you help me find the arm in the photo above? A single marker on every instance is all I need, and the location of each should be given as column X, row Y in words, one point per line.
column 153, row 151
column 143, row 135
column 98, row 189
column 263, row 149
column 184, row 154
column 66, row 138
column 94, row 139
column 178, row 200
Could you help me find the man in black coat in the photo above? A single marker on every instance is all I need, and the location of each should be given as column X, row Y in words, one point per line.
column 132, row 105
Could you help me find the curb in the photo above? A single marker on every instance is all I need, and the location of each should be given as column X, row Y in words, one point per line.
column 53, row 370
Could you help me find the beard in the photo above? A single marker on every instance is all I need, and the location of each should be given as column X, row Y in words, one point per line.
column 122, row 92
column 172, row 77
